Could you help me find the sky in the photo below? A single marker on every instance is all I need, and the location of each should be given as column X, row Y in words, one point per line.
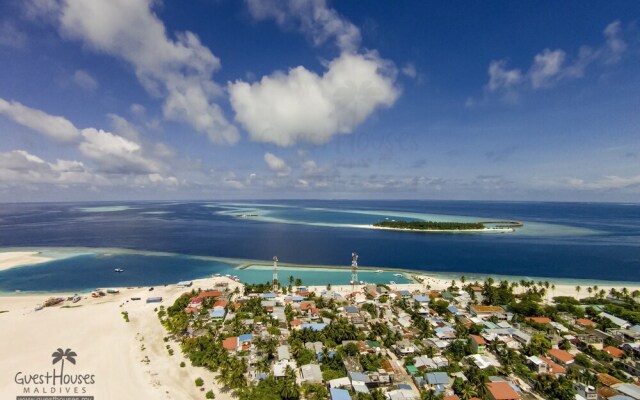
column 268, row 99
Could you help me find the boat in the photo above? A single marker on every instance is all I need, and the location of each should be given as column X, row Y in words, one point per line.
column 38, row 307
column 119, row 270
column 392, row 282
column 76, row 298
column 379, row 271
column 113, row 291
column 398, row 275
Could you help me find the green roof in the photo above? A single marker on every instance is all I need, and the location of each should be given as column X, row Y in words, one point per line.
column 412, row 369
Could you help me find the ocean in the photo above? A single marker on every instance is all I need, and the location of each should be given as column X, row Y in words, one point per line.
column 559, row 240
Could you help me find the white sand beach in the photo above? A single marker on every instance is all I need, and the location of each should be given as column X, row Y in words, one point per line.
column 107, row 346
column 10, row 259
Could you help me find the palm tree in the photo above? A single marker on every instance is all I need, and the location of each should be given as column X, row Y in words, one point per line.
column 62, row 355
column 578, row 288
column 590, row 290
column 463, row 279
column 298, row 282
column 468, row 392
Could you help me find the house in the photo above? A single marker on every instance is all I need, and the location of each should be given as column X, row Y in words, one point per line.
column 619, row 322
column 339, row 394
column 438, row 381
column 585, row 323
column 488, row 311
column 553, row 367
column 539, row 320
column 311, row 373
column 562, row 357
column 314, row 326
column 217, row 314
column 586, row 391
column 614, row 351
column 478, row 344
column 502, row 391
column 231, row 343
column 283, row 353
column 537, row 365
column 280, row 368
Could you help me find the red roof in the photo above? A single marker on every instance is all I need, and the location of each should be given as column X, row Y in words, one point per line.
column 614, row 351
column 502, row 391
column 231, row 343
column 210, row 293
column 539, row 320
column 555, row 367
column 306, row 305
column 195, row 300
column 585, row 322
column 561, row 355
column 220, row 303
column 454, row 397
column 478, row 339
column 296, row 322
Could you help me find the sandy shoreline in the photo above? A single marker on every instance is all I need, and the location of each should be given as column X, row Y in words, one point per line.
column 107, row 346
column 11, row 259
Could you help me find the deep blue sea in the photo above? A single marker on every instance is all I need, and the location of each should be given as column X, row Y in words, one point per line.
column 560, row 240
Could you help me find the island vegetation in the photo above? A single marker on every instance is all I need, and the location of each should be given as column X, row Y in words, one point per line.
column 430, row 225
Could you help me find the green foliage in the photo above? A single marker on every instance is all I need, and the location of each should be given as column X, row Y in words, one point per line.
column 199, row 382
column 429, row 225
column 210, row 395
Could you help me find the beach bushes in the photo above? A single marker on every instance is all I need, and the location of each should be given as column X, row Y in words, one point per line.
column 125, row 316
column 199, row 382
column 210, row 395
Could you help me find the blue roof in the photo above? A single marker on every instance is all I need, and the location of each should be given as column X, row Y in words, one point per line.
column 405, row 293
column 314, row 326
column 269, row 295
column 297, row 298
column 452, row 309
column 245, row 337
column 437, row 378
column 339, row 394
column 359, row 376
column 422, row 299
column 351, row 309
column 404, row 386
column 217, row 313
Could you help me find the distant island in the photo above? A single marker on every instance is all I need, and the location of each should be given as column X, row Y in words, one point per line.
column 494, row 226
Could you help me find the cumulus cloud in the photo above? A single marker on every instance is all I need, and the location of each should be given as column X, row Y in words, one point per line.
column 277, row 164
column 18, row 167
column 552, row 66
column 302, row 106
column 55, row 127
column 84, row 80
column 115, row 154
column 312, row 17
column 179, row 70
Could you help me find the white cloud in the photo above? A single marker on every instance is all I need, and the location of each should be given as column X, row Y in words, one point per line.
column 409, row 70
column 312, row 17
column 115, row 154
column 19, row 167
column 302, row 106
column 178, row 70
column 55, row 127
column 546, row 68
column 277, row 164
column 552, row 66
column 84, row 80
column 123, row 127
column 502, row 78
column 607, row 183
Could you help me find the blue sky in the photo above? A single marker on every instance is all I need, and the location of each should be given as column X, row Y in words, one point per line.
column 141, row 99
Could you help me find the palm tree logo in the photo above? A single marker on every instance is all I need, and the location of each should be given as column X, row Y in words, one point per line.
column 62, row 355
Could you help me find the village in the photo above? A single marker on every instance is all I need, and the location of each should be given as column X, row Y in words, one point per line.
column 470, row 340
